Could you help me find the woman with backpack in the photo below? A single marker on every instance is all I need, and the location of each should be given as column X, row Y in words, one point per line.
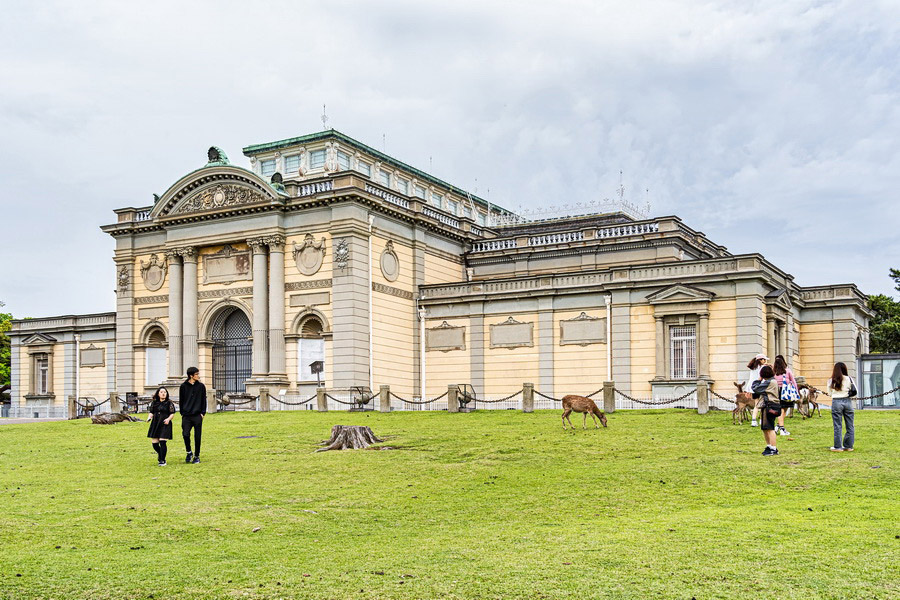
column 789, row 392
column 766, row 389
column 842, row 390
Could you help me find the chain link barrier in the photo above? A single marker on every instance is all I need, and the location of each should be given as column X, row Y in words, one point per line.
column 339, row 401
column 90, row 405
column 417, row 402
column 720, row 396
column 301, row 403
column 542, row 395
column 882, row 394
column 660, row 402
column 510, row 397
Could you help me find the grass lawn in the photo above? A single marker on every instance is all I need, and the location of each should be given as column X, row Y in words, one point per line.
column 493, row 504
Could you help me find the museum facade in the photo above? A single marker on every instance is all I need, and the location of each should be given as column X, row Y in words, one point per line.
column 328, row 252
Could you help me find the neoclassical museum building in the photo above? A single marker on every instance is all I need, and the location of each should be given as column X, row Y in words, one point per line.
column 327, row 250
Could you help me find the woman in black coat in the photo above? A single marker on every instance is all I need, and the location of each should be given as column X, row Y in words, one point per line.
column 161, row 412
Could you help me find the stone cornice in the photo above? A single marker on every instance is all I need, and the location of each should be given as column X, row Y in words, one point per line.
column 392, row 291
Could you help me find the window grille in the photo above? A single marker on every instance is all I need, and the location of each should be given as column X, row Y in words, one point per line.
column 683, row 342
column 267, row 167
column 292, row 163
column 317, row 159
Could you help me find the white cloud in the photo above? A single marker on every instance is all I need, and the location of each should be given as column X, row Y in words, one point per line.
column 730, row 113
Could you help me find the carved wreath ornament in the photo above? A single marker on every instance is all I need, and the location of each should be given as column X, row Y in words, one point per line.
column 309, row 256
column 390, row 264
column 220, row 196
column 342, row 254
column 122, row 279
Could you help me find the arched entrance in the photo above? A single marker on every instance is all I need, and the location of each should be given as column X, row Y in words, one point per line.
column 232, row 351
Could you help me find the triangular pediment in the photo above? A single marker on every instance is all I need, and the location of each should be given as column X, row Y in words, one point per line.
column 37, row 339
column 680, row 292
column 213, row 189
column 780, row 297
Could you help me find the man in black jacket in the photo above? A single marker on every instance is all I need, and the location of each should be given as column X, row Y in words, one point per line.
column 192, row 406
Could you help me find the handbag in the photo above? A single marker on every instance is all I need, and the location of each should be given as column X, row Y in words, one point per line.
column 853, row 391
column 789, row 392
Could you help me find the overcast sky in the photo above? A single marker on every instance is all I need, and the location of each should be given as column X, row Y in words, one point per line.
column 773, row 127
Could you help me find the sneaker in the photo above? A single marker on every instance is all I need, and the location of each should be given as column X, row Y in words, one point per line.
column 162, row 463
column 769, row 451
column 833, row 449
column 753, row 424
column 189, row 457
column 783, row 431
column 196, row 460
column 848, row 449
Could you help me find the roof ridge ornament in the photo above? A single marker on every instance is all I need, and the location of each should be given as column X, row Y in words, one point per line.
column 216, row 156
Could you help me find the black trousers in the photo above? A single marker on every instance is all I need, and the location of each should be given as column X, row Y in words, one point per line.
column 194, row 422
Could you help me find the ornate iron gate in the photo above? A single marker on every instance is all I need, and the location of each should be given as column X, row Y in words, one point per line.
column 232, row 353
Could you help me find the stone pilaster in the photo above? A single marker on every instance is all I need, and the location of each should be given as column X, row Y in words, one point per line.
column 125, row 325
column 260, row 308
column 660, row 348
column 770, row 338
column 176, row 306
column 476, row 360
column 277, row 365
column 545, row 346
column 621, row 339
column 190, row 306
column 703, row 346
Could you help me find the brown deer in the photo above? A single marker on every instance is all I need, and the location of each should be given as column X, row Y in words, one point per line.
column 807, row 404
column 583, row 405
column 743, row 402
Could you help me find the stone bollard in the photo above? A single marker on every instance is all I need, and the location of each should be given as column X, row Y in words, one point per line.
column 528, row 397
column 384, row 398
column 453, row 398
column 264, row 400
column 321, row 400
column 609, row 397
column 114, row 404
column 73, row 408
column 702, row 397
column 211, row 404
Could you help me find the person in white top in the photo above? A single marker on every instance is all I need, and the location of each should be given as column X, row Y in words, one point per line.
column 758, row 362
column 842, row 390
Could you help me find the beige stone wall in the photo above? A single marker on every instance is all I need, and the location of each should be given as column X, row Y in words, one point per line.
column 505, row 369
column 451, row 367
column 577, row 368
column 394, row 323
column 439, row 269
column 643, row 350
column 817, row 352
column 723, row 358
column 797, row 358
column 59, row 373
column 94, row 382
column 26, row 373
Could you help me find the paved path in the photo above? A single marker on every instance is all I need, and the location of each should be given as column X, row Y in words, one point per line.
column 10, row 421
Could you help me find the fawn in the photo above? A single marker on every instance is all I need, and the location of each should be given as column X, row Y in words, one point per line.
column 743, row 401
column 582, row 405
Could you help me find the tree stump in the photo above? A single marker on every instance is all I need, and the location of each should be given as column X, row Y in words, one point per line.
column 348, row 436
column 110, row 418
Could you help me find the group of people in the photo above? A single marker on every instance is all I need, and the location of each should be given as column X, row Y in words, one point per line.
column 191, row 405
column 777, row 390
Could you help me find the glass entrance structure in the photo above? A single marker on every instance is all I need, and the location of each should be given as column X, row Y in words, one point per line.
column 880, row 373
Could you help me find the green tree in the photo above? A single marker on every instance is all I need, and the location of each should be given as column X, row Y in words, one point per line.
column 884, row 328
column 5, row 352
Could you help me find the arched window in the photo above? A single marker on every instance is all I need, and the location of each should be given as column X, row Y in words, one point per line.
column 156, row 352
column 310, row 349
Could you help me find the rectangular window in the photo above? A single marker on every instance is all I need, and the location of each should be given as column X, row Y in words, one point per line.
column 480, row 219
column 420, row 192
column 453, row 206
column 156, row 365
column 292, row 163
column 467, row 212
column 267, row 167
column 317, row 159
column 384, row 177
column 683, row 341
column 343, row 161
column 309, row 350
column 403, row 186
column 437, row 200
column 364, row 168
column 42, row 374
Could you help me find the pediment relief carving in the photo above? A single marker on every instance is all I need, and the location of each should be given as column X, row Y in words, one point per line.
column 780, row 298
column 219, row 196
column 38, row 339
column 154, row 272
column 309, row 256
column 680, row 293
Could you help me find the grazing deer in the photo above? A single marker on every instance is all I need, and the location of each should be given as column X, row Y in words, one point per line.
column 807, row 404
column 584, row 405
column 743, row 402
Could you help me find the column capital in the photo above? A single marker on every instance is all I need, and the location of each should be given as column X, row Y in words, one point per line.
column 258, row 244
column 275, row 243
column 172, row 253
column 187, row 253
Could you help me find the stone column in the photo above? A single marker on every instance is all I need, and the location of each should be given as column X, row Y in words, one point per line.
column 660, row 348
column 783, row 342
column 176, row 294
column 702, row 397
column 452, row 398
column 770, row 339
column 277, row 366
column 384, row 398
column 528, row 397
column 609, row 396
column 189, row 332
column 260, row 309
column 703, row 347
column 321, row 400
